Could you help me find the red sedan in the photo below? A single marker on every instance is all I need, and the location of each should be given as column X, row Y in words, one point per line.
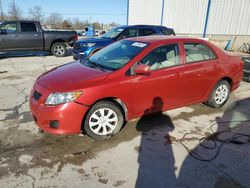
column 131, row 78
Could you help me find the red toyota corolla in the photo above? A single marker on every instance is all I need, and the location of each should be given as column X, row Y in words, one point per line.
column 131, row 78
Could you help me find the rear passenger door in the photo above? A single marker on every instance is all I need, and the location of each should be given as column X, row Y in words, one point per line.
column 30, row 37
column 201, row 71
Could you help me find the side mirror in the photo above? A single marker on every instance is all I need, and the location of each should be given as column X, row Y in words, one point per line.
column 142, row 69
column 3, row 31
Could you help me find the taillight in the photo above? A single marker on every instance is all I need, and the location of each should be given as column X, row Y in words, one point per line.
column 75, row 37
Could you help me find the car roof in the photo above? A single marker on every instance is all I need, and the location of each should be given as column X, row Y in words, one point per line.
column 142, row 26
column 163, row 38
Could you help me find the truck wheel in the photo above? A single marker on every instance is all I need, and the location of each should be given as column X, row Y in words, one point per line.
column 104, row 120
column 220, row 94
column 58, row 49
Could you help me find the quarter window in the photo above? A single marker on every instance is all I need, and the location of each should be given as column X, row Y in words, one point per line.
column 162, row 57
column 28, row 27
column 198, row 52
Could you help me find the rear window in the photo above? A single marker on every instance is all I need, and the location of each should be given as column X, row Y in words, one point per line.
column 167, row 31
column 28, row 27
column 198, row 52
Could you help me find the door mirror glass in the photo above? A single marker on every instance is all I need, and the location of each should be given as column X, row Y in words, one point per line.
column 142, row 69
column 3, row 31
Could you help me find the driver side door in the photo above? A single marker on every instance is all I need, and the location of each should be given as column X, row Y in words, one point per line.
column 161, row 89
column 9, row 40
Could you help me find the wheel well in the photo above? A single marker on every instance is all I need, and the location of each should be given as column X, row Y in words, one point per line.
column 116, row 101
column 56, row 41
column 229, row 80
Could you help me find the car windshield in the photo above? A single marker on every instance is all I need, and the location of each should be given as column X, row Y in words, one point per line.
column 116, row 55
column 112, row 33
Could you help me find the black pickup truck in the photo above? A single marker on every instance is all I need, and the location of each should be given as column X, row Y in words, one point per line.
column 29, row 35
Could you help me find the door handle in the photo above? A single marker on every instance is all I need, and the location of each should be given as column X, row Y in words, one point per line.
column 216, row 67
column 178, row 74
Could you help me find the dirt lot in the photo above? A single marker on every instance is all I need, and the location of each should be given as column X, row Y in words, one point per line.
column 173, row 149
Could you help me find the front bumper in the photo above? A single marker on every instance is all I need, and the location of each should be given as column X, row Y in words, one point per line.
column 69, row 116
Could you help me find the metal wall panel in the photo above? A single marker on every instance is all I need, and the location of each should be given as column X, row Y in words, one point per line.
column 230, row 17
column 185, row 16
column 227, row 17
column 145, row 12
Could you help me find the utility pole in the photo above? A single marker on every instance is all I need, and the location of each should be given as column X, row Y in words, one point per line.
column 1, row 8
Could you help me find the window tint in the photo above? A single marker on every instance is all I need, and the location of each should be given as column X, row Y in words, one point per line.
column 10, row 27
column 198, row 52
column 161, row 57
column 167, row 31
column 146, row 32
column 128, row 33
column 28, row 27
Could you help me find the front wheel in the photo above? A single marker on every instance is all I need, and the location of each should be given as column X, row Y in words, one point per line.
column 104, row 120
column 220, row 94
column 58, row 49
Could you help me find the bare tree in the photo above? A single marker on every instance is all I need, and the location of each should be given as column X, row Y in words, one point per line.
column 96, row 25
column 14, row 11
column 81, row 25
column 36, row 13
column 66, row 24
column 55, row 20
column 1, row 9
column 113, row 24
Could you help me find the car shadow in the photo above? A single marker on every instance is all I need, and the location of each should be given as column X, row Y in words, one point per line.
column 156, row 159
column 221, row 158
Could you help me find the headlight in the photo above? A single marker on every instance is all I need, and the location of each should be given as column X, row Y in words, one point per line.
column 89, row 44
column 59, row 98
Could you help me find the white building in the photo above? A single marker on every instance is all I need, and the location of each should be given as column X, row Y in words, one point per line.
column 223, row 20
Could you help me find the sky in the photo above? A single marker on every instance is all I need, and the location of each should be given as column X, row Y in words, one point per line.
column 103, row 11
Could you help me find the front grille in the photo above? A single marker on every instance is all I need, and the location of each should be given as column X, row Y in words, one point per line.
column 76, row 46
column 37, row 95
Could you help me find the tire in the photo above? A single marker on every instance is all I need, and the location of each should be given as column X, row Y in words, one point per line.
column 220, row 94
column 58, row 49
column 110, row 117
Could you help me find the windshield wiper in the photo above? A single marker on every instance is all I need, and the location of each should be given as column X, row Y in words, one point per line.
column 97, row 65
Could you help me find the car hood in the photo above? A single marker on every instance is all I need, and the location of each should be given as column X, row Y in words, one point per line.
column 96, row 40
column 70, row 77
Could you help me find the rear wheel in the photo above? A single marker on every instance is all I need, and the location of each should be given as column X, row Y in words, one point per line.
column 104, row 119
column 58, row 49
column 220, row 94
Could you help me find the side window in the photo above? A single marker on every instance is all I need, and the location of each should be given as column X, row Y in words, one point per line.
column 10, row 27
column 128, row 33
column 161, row 57
column 146, row 32
column 198, row 52
column 168, row 31
column 28, row 27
